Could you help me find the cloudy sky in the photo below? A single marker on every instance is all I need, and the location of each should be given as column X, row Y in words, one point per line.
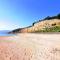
column 20, row 13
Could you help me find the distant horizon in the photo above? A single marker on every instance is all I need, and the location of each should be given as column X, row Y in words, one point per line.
column 21, row 13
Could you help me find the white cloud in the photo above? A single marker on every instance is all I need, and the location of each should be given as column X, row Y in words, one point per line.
column 8, row 25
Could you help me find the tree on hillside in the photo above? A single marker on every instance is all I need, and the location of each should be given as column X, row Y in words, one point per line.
column 47, row 18
column 58, row 16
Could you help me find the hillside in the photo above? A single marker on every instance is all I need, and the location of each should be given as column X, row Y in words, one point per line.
column 48, row 24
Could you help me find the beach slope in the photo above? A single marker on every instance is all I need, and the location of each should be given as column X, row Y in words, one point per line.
column 27, row 46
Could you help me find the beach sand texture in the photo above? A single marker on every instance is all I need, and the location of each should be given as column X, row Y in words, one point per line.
column 27, row 46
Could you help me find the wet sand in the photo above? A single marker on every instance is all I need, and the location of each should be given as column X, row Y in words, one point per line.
column 30, row 47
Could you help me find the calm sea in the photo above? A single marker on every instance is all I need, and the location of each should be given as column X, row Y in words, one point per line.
column 5, row 33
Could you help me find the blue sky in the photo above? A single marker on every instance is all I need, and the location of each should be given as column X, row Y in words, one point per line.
column 20, row 13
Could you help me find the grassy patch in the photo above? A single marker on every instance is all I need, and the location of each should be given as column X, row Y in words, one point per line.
column 53, row 29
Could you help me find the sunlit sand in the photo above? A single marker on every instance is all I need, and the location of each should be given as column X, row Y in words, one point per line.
column 26, row 46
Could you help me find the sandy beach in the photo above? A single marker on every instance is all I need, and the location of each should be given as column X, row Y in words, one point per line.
column 27, row 46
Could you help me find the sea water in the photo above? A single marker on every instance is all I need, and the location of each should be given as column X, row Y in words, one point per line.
column 5, row 33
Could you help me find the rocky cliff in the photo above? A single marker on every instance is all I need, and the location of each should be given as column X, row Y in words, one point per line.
column 48, row 24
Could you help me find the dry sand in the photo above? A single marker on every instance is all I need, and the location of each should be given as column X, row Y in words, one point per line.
column 30, row 47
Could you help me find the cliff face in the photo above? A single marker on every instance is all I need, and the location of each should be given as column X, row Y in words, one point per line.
column 42, row 25
column 39, row 26
column 48, row 24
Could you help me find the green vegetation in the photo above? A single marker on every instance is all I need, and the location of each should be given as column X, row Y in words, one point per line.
column 53, row 29
column 53, row 17
column 48, row 18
